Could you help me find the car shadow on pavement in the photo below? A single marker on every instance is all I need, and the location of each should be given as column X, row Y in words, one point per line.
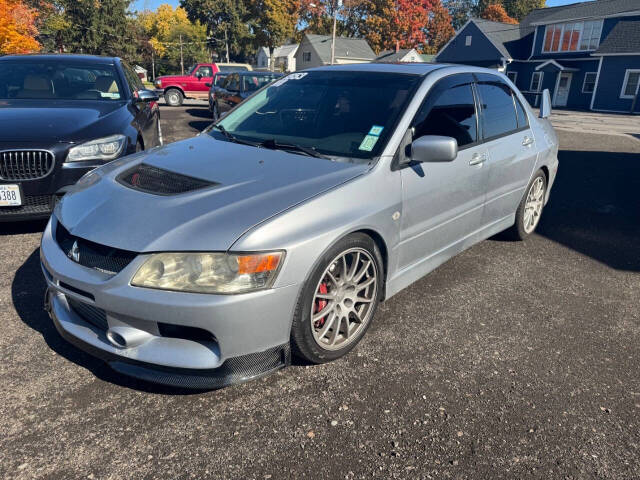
column 594, row 207
column 27, row 291
column 19, row 228
column 203, row 113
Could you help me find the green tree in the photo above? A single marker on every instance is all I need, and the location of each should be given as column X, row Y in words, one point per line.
column 275, row 22
column 228, row 23
column 101, row 27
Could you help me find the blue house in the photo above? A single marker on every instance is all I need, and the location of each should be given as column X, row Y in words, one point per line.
column 587, row 54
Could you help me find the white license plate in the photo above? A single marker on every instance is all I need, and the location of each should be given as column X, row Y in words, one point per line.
column 10, row 196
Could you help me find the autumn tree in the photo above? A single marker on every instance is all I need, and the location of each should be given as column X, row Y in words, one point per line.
column 517, row 9
column 166, row 30
column 439, row 29
column 17, row 27
column 496, row 13
column 275, row 22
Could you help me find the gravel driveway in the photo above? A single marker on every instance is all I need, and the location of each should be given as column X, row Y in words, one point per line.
column 512, row 360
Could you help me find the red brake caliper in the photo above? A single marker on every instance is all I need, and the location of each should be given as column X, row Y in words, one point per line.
column 320, row 304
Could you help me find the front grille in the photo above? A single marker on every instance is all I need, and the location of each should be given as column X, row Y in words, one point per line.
column 25, row 164
column 148, row 179
column 94, row 315
column 93, row 255
column 31, row 205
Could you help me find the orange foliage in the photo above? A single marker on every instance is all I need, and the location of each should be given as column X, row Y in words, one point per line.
column 497, row 13
column 17, row 27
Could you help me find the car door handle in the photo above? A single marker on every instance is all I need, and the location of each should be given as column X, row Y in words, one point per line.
column 527, row 141
column 478, row 159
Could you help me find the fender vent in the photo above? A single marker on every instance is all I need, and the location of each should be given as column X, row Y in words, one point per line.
column 148, row 179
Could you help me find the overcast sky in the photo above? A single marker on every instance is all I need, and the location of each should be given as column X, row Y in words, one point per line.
column 153, row 4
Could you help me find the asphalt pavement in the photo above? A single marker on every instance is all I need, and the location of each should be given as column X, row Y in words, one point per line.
column 512, row 360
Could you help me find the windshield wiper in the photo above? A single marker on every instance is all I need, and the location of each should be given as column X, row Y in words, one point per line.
column 310, row 151
column 231, row 137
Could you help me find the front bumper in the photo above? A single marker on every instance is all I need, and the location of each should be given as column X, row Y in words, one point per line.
column 250, row 332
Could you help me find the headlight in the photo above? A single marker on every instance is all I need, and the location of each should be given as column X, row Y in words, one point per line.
column 220, row 273
column 106, row 148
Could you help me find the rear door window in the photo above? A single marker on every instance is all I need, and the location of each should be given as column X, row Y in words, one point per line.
column 497, row 110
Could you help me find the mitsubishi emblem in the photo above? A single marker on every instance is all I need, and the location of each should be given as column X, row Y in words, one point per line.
column 74, row 253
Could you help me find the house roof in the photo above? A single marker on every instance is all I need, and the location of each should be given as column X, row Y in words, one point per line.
column 575, row 11
column 346, row 47
column 503, row 35
column 286, row 50
column 624, row 38
column 393, row 56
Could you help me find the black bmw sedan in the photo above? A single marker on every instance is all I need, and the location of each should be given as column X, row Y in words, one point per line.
column 61, row 116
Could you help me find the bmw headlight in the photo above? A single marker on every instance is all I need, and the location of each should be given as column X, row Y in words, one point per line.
column 219, row 273
column 106, row 148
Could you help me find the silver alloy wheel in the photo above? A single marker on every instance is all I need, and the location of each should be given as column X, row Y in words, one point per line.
column 343, row 300
column 533, row 205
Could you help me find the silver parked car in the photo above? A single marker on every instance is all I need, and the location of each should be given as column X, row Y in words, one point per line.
column 281, row 227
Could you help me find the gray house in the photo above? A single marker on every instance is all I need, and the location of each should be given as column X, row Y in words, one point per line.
column 315, row 51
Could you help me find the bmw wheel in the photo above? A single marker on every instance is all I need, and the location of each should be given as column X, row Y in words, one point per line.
column 173, row 97
column 339, row 300
column 530, row 208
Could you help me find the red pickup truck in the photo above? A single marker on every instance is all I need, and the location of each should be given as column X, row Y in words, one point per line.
column 176, row 88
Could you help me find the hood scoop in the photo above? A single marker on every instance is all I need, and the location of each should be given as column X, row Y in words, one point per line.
column 157, row 181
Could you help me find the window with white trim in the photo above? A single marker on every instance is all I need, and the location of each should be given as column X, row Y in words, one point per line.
column 630, row 84
column 572, row 37
column 589, row 83
column 536, row 81
column 512, row 76
column 467, row 41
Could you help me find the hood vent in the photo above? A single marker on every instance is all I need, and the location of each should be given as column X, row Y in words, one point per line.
column 148, row 179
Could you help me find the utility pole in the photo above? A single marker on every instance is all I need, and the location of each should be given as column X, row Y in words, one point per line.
column 181, row 59
column 337, row 4
column 226, row 44
column 153, row 66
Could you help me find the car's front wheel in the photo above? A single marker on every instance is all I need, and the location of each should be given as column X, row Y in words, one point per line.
column 530, row 208
column 173, row 97
column 338, row 301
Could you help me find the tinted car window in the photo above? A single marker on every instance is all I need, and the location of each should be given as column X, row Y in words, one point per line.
column 132, row 78
column 498, row 112
column 341, row 113
column 232, row 68
column 232, row 82
column 53, row 80
column 523, row 121
column 451, row 113
column 252, row 83
column 219, row 78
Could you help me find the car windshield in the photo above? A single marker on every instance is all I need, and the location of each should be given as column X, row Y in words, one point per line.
column 344, row 114
column 58, row 81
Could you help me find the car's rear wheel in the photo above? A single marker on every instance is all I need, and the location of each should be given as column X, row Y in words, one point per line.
column 339, row 300
column 173, row 97
column 530, row 208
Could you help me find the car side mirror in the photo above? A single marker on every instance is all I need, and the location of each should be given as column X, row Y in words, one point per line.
column 434, row 148
column 207, row 84
column 545, row 104
column 145, row 95
column 198, row 75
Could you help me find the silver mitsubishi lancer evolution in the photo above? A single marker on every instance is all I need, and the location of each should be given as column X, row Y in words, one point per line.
column 281, row 227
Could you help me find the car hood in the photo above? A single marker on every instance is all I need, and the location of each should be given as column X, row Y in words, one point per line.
column 56, row 121
column 252, row 185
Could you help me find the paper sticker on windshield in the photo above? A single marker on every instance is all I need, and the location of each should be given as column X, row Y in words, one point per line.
column 376, row 130
column 368, row 143
column 293, row 76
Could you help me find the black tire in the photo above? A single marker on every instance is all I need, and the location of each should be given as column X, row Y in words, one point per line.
column 173, row 97
column 303, row 342
column 517, row 231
